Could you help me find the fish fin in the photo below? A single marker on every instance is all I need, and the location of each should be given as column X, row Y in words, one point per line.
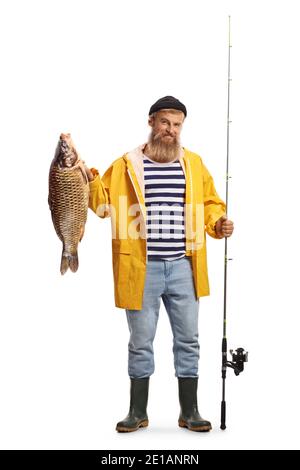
column 68, row 261
column 73, row 262
column 64, row 265
column 50, row 203
column 82, row 169
column 81, row 233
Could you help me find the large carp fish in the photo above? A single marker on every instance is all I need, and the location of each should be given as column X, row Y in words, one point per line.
column 68, row 199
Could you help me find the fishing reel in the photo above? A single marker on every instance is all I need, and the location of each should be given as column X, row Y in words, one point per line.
column 239, row 357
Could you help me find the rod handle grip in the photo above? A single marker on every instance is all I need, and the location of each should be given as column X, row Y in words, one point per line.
column 223, row 415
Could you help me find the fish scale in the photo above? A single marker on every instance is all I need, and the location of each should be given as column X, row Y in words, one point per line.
column 68, row 201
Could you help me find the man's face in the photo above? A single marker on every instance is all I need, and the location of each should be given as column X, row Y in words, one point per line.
column 166, row 126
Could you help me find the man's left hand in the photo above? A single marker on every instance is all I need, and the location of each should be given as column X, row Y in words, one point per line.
column 224, row 227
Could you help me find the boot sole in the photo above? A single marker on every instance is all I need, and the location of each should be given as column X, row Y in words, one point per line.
column 183, row 424
column 143, row 424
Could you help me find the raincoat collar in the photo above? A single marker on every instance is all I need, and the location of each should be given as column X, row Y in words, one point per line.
column 135, row 167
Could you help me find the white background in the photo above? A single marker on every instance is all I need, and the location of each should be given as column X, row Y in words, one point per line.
column 93, row 68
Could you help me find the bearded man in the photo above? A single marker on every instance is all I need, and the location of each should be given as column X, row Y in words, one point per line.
column 161, row 253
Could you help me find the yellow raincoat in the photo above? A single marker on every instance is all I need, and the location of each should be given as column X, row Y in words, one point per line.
column 120, row 194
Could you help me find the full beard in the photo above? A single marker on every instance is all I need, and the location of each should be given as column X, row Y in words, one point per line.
column 162, row 151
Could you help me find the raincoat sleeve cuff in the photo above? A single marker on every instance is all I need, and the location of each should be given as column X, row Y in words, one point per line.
column 95, row 182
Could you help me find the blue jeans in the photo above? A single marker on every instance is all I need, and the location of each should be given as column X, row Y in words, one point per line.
column 173, row 282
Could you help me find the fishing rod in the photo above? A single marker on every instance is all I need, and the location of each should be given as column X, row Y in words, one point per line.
column 239, row 356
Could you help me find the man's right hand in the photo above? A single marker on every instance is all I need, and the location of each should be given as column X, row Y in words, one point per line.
column 87, row 171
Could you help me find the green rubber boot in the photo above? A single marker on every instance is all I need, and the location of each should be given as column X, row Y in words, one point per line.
column 137, row 416
column 189, row 415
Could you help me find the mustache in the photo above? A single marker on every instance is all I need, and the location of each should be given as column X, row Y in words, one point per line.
column 159, row 135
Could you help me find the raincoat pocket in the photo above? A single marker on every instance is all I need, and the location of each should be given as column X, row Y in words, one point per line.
column 121, row 270
column 121, row 246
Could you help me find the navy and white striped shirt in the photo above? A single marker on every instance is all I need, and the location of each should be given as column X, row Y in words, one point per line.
column 164, row 200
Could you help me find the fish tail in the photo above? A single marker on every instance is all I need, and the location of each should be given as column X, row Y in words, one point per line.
column 69, row 260
column 73, row 262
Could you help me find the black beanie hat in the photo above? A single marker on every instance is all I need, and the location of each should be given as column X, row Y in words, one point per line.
column 167, row 102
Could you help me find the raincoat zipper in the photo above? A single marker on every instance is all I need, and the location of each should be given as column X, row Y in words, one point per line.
column 191, row 186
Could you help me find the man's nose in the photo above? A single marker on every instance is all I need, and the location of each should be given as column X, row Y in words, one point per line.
column 170, row 129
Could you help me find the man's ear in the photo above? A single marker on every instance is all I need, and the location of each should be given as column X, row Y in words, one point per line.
column 151, row 121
